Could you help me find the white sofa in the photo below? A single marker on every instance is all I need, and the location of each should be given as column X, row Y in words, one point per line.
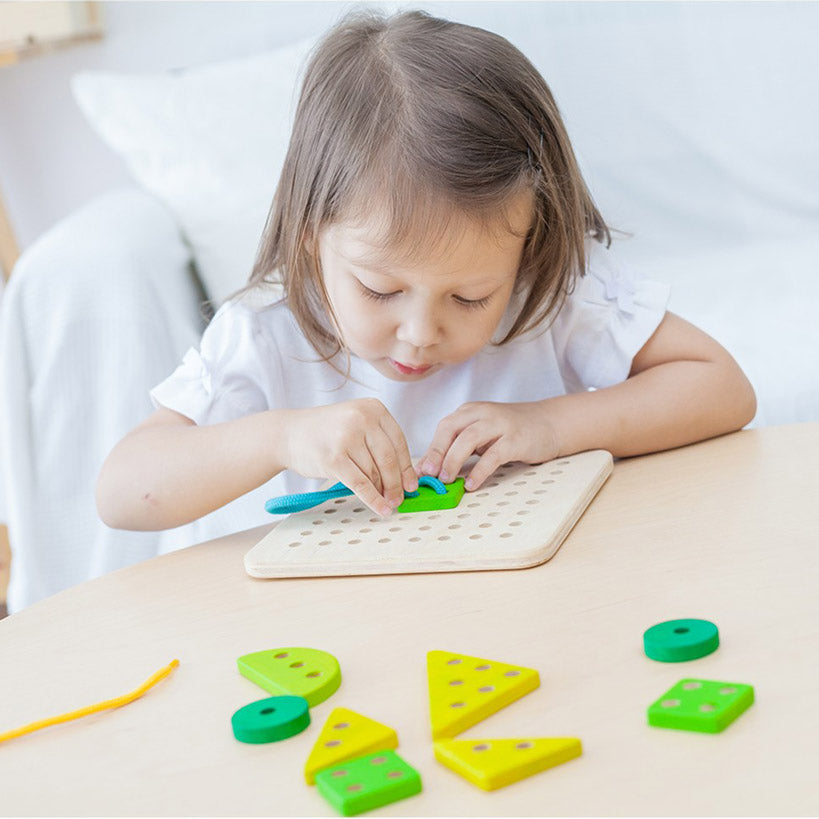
column 696, row 127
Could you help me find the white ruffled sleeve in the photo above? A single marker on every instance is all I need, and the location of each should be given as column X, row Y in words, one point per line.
column 605, row 322
column 226, row 377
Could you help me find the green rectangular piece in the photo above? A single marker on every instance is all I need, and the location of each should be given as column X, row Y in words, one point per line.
column 428, row 499
column 700, row 705
column 368, row 782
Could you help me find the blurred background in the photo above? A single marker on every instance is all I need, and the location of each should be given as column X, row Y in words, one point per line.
column 737, row 71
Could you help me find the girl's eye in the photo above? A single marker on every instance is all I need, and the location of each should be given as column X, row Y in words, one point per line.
column 375, row 295
column 473, row 303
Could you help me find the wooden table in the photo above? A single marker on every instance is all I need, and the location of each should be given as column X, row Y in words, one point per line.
column 726, row 530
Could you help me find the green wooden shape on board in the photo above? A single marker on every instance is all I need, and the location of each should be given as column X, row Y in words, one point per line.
column 368, row 782
column 428, row 499
column 301, row 672
column 271, row 719
column 700, row 705
column 676, row 641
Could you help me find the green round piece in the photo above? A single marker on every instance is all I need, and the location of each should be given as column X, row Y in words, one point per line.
column 271, row 719
column 678, row 640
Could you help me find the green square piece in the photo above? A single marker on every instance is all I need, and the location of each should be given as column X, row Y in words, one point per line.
column 700, row 705
column 428, row 499
column 368, row 782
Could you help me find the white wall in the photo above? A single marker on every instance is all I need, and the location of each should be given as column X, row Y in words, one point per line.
column 50, row 161
column 729, row 75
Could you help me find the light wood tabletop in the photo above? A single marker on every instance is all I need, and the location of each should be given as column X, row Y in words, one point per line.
column 726, row 530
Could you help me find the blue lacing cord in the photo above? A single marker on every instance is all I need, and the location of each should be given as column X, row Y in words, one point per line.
column 286, row 504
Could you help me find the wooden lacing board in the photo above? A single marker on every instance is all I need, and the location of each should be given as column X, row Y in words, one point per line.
column 519, row 518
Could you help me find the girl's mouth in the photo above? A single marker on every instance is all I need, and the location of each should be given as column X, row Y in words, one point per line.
column 404, row 369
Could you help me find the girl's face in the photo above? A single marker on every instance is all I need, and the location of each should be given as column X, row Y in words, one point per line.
column 411, row 319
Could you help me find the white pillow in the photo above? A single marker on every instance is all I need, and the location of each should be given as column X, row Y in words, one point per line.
column 209, row 142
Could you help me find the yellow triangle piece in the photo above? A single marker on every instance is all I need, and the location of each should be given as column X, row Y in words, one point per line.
column 347, row 735
column 494, row 763
column 464, row 690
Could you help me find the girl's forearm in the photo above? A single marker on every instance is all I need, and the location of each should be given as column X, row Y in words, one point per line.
column 163, row 475
column 665, row 406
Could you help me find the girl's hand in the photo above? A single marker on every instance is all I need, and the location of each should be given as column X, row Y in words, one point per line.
column 499, row 433
column 356, row 442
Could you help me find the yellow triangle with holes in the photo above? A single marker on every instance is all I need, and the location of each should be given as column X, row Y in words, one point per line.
column 494, row 763
column 347, row 735
column 464, row 690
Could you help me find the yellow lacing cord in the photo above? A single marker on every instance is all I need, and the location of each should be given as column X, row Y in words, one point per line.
column 92, row 709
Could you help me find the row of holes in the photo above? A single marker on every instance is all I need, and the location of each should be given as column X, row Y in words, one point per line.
column 520, row 746
column 406, row 518
column 484, row 689
column 706, row 707
column 297, row 664
column 356, row 541
column 359, row 786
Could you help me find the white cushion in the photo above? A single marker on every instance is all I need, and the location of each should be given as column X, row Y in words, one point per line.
column 208, row 142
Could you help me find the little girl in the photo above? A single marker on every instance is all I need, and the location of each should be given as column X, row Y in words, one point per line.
column 434, row 280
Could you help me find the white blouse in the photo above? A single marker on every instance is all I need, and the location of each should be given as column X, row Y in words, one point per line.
column 254, row 357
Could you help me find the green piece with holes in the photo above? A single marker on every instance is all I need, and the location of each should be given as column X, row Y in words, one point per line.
column 270, row 720
column 301, row 672
column 700, row 705
column 428, row 499
column 368, row 782
column 676, row 641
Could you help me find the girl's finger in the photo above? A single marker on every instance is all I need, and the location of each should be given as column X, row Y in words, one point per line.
column 409, row 476
column 475, row 437
column 446, row 432
column 485, row 466
column 385, row 458
column 354, row 477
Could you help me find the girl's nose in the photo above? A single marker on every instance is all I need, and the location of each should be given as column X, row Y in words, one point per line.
column 419, row 327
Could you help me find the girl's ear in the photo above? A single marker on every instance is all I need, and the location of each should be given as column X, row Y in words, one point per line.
column 311, row 242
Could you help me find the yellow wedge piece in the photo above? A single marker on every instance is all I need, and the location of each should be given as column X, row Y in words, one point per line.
column 464, row 690
column 347, row 735
column 494, row 763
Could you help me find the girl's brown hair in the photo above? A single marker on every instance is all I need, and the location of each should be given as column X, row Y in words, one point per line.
column 424, row 117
